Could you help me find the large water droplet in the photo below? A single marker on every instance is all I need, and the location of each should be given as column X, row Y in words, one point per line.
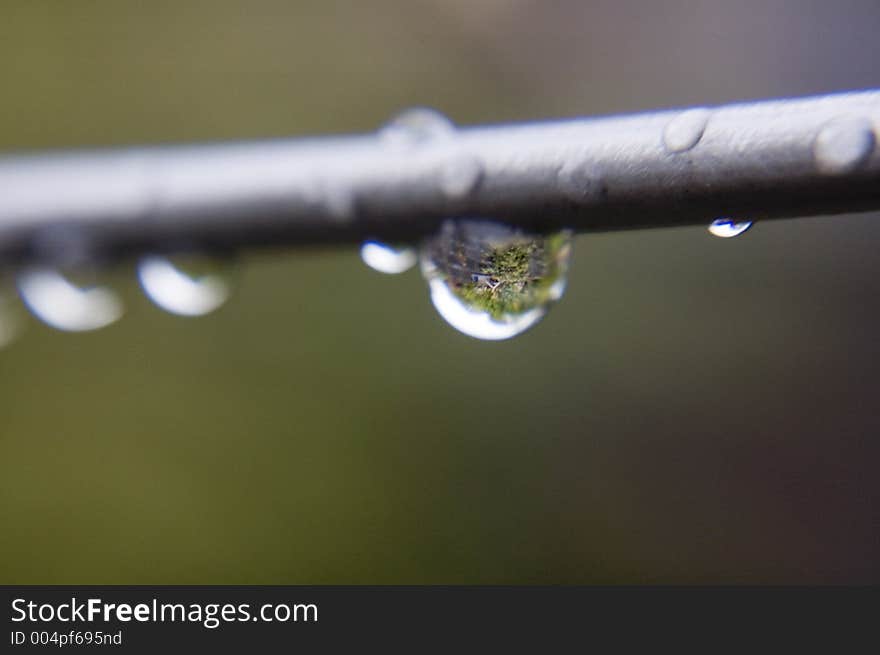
column 192, row 286
column 416, row 127
column 60, row 304
column 491, row 281
column 685, row 130
column 728, row 227
column 388, row 259
column 843, row 144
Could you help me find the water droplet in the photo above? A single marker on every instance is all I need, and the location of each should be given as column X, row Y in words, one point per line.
column 340, row 201
column 578, row 180
column 192, row 286
column 10, row 324
column 685, row 130
column 60, row 304
column 460, row 176
column 416, row 127
column 459, row 172
column 728, row 227
column 491, row 281
column 388, row 259
column 843, row 145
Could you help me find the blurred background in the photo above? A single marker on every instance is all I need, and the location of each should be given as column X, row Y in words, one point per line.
column 695, row 410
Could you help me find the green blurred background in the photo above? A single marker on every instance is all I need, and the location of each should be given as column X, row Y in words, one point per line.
column 694, row 410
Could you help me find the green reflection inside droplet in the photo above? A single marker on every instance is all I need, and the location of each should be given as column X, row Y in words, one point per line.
column 495, row 272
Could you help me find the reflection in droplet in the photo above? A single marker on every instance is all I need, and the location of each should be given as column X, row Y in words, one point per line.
column 10, row 325
column 843, row 145
column 727, row 227
column 387, row 259
column 491, row 281
column 415, row 127
column 685, row 130
column 57, row 302
column 194, row 287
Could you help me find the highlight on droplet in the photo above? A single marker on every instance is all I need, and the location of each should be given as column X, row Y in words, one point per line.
column 60, row 304
column 386, row 258
column 728, row 227
column 179, row 292
column 460, row 175
column 844, row 144
column 415, row 127
column 685, row 130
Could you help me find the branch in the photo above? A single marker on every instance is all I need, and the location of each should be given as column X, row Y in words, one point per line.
column 752, row 161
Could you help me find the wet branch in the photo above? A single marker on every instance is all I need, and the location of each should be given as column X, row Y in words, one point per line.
column 751, row 161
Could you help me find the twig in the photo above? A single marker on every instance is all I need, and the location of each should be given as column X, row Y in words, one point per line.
column 754, row 161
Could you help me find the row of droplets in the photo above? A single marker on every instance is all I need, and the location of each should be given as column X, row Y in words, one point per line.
column 491, row 281
column 475, row 306
column 487, row 280
column 77, row 305
column 472, row 286
column 459, row 264
column 842, row 144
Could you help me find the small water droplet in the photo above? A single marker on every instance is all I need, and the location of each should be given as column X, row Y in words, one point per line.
column 388, row 259
column 491, row 281
column 340, row 201
column 190, row 286
column 685, row 130
column 728, row 227
column 416, row 127
column 578, row 180
column 10, row 323
column 63, row 305
column 460, row 176
column 843, row 144
column 325, row 196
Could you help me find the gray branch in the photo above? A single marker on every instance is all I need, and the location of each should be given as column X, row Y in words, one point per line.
column 749, row 161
